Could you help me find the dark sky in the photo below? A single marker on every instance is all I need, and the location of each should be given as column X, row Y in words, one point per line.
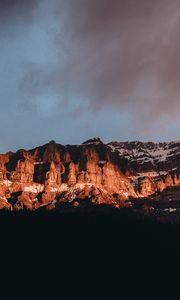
column 74, row 69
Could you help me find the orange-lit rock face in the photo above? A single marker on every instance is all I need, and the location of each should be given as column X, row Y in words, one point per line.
column 160, row 184
column 4, row 204
column 147, row 186
column 150, row 185
column 52, row 174
column 112, row 179
column 24, row 201
column 93, row 171
column 176, row 179
column 72, row 173
column 169, row 180
column 24, row 171
column 3, row 171
column 48, row 197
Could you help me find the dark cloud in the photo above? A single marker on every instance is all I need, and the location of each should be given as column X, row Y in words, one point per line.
column 121, row 54
column 126, row 53
column 17, row 9
column 17, row 5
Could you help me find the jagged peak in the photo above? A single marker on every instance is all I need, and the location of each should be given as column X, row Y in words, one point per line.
column 94, row 141
column 52, row 142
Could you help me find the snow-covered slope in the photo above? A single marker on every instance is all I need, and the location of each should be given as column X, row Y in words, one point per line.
column 149, row 156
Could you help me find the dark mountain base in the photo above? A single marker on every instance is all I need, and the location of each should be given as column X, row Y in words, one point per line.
column 101, row 223
column 94, row 251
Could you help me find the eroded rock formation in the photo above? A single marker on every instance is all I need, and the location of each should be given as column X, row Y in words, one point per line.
column 54, row 174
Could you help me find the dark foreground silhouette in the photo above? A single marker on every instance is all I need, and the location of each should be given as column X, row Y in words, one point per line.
column 124, row 228
column 102, row 247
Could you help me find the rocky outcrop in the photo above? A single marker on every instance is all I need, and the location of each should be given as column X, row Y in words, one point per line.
column 24, row 171
column 53, row 174
column 148, row 185
column 72, row 174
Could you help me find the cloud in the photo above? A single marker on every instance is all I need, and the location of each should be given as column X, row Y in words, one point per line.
column 66, row 63
column 12, row 6
column 120, row 54
column 124, row 54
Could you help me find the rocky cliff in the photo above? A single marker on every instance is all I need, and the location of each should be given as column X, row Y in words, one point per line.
column 151, row 167
column 53, row 174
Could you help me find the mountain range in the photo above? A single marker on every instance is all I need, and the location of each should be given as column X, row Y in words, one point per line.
column 121, row 174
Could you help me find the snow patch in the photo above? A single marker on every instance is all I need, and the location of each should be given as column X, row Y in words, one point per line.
column 7, row 182
column 35, row 188
column 102, row 162
column 145, row 152
column 170, row 209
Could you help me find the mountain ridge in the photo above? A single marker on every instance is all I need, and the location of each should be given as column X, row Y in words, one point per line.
column 112, row 173
column 91, row 139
